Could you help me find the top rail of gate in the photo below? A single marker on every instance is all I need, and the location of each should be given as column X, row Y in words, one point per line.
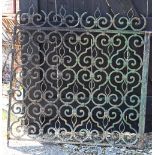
column 62, row 20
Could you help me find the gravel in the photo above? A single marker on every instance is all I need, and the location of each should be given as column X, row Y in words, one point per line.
column 36, row 148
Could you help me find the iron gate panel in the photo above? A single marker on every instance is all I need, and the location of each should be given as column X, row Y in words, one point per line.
column 78, row 78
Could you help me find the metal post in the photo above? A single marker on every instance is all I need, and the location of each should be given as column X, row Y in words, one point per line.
column 10, row 92
column 146, row 55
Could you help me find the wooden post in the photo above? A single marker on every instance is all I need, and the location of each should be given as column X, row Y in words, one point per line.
column 14, row 6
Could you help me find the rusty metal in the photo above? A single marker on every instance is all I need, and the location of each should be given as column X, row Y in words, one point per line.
column 79, row 78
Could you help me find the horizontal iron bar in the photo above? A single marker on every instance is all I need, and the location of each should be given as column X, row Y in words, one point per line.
column 77, row 143
column 80, row 30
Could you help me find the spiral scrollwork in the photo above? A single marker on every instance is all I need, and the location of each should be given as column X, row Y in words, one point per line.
column 78, row 77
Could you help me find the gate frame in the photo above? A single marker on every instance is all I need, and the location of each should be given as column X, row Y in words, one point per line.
column 146, row 55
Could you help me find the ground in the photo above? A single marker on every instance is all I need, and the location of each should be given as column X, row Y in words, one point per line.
column 36, row 148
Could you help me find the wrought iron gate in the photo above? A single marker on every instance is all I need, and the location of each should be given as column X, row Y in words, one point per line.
column 79, row 79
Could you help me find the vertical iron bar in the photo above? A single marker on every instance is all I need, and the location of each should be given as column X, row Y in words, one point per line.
column 57, row 66
column 127, row 69
column 47, row 6
column 91, row 66
column 10, row 91
column 56, row 7
column 146, row 55
column 147, row 9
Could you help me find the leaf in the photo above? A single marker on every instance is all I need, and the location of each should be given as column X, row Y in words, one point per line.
column 122, row 127
column 75, row 88
column 28, row 82
column 31, row 10
column 74, row 120
column 91, row 84
column 43, row 87
column 89, row 125
column 130, row 13
column 78, row 47
column 62, row 11
column 105, row 122
column 57, row 124
column 126, row 55
column 124, row 86
column 110, row 49
column 30, row 50
column 42, row 119
column 107, row 90
column 97, row 13
column 62, row 51
column 94, row 53
column 46, row 46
